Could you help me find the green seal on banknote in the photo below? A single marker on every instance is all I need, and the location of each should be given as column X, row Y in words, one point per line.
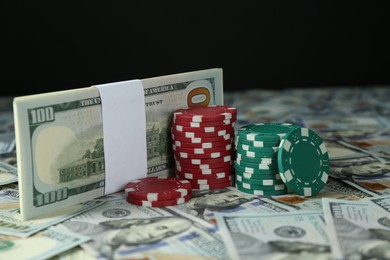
column 6, row 244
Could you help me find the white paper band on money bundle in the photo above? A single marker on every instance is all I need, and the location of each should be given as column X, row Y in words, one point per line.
column 124, row 132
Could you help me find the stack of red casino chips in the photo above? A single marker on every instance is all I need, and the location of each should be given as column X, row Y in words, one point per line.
column 158, row 191
column 203, row 145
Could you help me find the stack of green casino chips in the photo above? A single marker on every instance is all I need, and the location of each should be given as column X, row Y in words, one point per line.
column 271, row 160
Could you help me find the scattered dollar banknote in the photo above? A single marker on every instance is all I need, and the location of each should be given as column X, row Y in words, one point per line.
column 120, row 230
column 11, row 222
column 43, row 245
column 289, row 235
column 381, row 203
column 8, row 173
column 356, row 229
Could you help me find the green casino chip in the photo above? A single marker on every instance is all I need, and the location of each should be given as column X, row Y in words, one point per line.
column 273, row 162
column 260, row 150
column 257, row 143
column 257, row 166
column 261, row 192
column 256, row 154
column 249, row 186
column 244, row 169
column 258, row 176
column 269, row 131
column 303, row 162
column 261, row 182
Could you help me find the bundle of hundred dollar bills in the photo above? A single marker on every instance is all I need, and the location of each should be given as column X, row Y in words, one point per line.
column 76, row 145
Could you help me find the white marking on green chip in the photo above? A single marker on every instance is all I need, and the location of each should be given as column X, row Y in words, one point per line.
column 250, row 154
column 249, row 170
column 245, row 147
column 307, row 191
column 324, row 177
column 287, row 145
column 304, row 131
column 250, row 137
column 287, row 174
column 323, row 148
column 258, row 144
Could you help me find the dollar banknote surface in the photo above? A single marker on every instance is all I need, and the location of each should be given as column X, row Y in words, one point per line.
column 8, row 173
column 356, row 229
column 43, row 245
column 289, row 235
column 163, row 95
column 60, row 141
column 381, row 203
column 120, row 230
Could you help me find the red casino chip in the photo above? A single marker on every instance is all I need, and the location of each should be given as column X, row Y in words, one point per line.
column 213, row 161
column 206, row 114
column 211, row 181
column 210, row 129
column 227, row 147
column 160, row 203
column 216, row 177
column 213, row 186
column 182, row 163
column 202, row 135
column 158, row 188
column 177, row 143
column 204, row 171
column 230, row 123
column 211, row 155
column 199, row 140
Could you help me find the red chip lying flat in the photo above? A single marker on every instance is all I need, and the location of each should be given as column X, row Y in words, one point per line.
column 161, row 203
column 158, row 188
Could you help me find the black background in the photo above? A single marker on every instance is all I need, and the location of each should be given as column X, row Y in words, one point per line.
column 56, row 45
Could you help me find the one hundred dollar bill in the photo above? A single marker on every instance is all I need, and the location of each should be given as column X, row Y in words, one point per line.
column 8, row 173
column 60, row 142
column 356, row 229
column 289, row 235
column 120, row 230
column 382, row 203
column 11, row 222
column 43, row 245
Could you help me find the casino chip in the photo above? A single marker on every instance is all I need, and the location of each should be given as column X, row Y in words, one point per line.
column 158, row 189
column 256, row 164
column 203, row 145
column 268, row 132
column 160, row 203
column 303, row 162
column 205, row 114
